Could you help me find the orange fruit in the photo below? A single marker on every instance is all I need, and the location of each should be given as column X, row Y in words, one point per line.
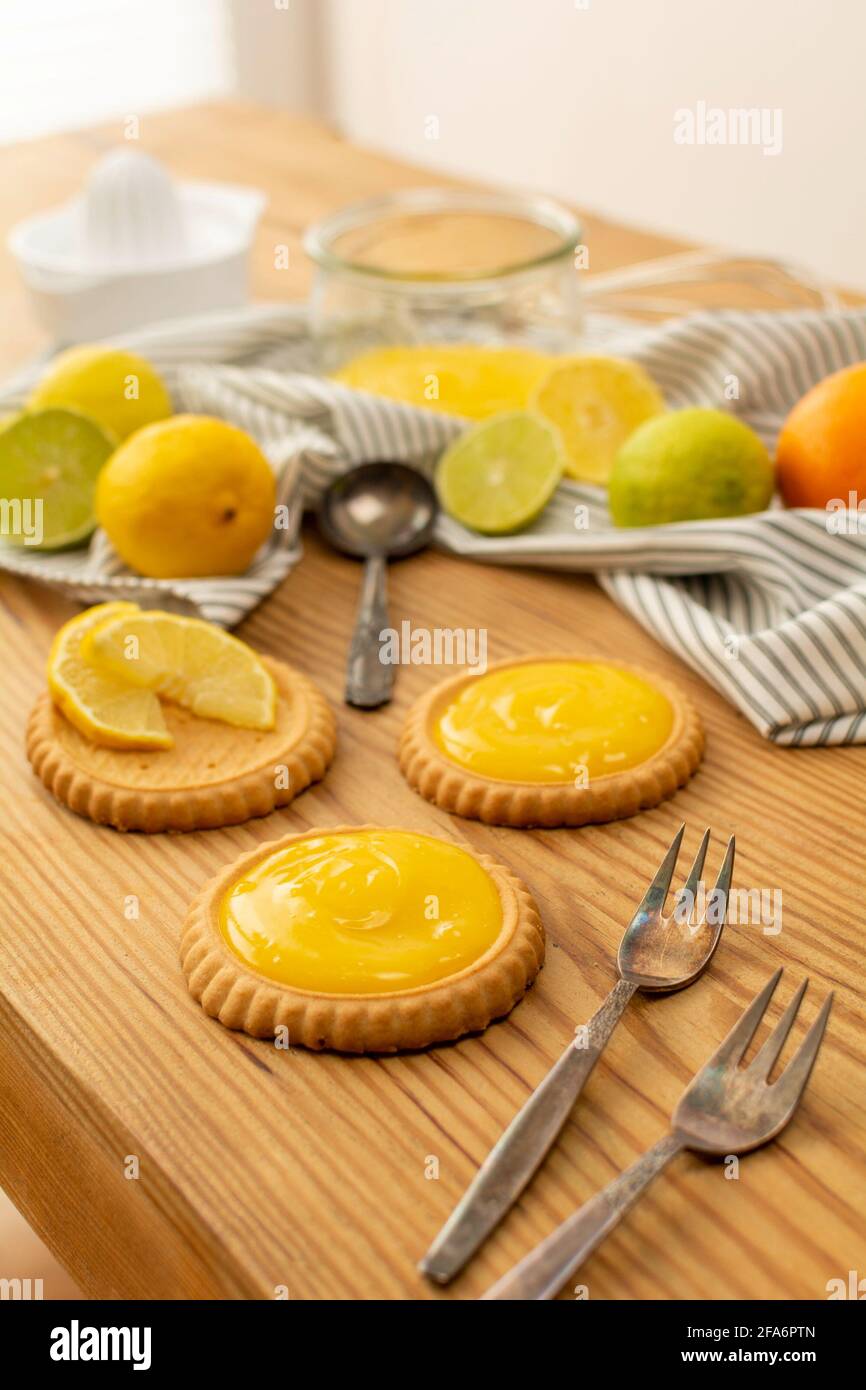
column 821, row 454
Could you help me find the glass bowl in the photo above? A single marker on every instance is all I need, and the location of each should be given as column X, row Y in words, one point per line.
column 441, row 266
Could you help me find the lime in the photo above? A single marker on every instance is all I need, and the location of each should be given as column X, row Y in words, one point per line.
column 119, row 390
column 596, row 403
column 500, row 474
column 49, row 463
column 687, row 466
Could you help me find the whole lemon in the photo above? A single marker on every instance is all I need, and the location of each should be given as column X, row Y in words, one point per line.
column 821, row 453
column 187, row 496
column 689, row 465
column 119, row 390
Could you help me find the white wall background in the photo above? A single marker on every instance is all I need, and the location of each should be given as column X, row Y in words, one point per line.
column 580, row 102
column 576, row 97
column 65, row 64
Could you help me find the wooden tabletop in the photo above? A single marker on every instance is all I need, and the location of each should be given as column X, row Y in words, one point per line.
column 261, row 1170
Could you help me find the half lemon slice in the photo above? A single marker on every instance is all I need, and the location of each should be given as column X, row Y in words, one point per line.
column 458, row 378
column 106, row 710
column 596, row 403
column 187, row 660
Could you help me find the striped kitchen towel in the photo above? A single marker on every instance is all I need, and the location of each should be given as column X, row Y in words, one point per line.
column 770, row 608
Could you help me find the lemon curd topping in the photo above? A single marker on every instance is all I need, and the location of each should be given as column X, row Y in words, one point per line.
column 553, row 721
column 362, row 912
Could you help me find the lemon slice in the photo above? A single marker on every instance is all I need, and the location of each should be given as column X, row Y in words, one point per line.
column 187, row 660
column 500, row 474
column 51, row 459
column 459, row 378
column 106, row 710
column 596, row 403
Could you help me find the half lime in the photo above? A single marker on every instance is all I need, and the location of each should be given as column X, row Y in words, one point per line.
column 49, row 463
column 498, row 476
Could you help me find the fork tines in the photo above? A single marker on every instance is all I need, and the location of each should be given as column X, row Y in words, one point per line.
column 655, row 897
column 793, row 1079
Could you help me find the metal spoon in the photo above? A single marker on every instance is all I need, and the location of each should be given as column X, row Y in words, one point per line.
column 376, row 512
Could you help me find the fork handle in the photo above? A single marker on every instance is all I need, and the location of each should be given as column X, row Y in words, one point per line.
column 522, row 1147
column 542, row 1273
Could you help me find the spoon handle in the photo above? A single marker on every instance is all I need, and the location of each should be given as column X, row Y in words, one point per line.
column 522, row 1147
column 369, row 681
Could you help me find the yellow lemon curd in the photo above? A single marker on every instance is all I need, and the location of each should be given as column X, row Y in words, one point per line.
column 553, row 721
column 362, row 912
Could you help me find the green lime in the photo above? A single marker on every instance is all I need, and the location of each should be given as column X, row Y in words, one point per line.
column 49, row 463
column 689, row 465
column 500, row 474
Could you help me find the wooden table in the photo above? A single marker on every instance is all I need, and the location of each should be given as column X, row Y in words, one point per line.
column 261, row 1169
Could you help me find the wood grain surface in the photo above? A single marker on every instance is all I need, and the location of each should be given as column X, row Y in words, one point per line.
column 262, row 1170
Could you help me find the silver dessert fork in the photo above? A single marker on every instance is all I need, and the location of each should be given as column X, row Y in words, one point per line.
column 726, row 1109
column 656, row 954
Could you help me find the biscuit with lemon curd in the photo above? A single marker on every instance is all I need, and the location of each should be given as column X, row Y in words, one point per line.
column 551, row 741
column 361, row 939
column 153, row 721
column 214, row 774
